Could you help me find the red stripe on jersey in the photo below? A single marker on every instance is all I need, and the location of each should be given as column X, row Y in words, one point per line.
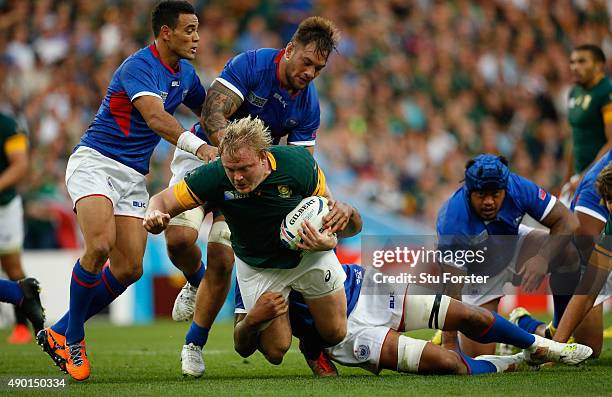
column 277, row 62
column 121, row 109
column 155, row 53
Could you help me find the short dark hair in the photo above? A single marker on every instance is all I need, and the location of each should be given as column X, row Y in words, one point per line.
column 320, row 31
column 167, row 13
column 596, row 52
column 604, row 182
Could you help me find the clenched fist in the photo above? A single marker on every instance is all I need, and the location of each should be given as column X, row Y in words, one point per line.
column 155, row 221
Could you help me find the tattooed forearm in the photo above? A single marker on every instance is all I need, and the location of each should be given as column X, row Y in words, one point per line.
column 220, row 104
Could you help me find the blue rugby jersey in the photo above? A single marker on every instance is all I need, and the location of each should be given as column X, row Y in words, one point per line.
column 118, row 130
column 586, row 199
column 459, row 227
column 253, row 75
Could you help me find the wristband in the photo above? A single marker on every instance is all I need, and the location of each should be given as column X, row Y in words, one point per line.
column 189, row 142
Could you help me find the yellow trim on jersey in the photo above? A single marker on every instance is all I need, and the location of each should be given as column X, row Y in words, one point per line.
column 185, row 197
column 606, row 112
column 320, row 189
column 601, row 258
column 16, row 143
column 272, row 161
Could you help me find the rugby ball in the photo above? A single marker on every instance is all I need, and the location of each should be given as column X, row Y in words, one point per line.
column 313, row 209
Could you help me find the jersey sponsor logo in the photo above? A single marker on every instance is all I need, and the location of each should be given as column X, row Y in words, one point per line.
column 234, row 195
column 139, row 204
column 362, row 352
column 542, row 194
column 391, row 300
column 280, row 99
column 256, row 100
column 175, row 83
column 284, row 191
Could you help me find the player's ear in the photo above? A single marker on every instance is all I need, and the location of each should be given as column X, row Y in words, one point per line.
column 289, row 50
column 164, row 32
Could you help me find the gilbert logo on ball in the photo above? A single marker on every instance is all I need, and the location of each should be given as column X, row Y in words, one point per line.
column 313, row 209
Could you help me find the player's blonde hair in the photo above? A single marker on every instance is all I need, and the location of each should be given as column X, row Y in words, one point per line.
column 604, row 182
column 246, row 132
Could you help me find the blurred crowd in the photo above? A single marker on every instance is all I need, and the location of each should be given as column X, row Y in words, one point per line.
column 415, row 88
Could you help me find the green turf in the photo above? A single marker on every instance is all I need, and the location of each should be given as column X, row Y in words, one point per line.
column 144, row 360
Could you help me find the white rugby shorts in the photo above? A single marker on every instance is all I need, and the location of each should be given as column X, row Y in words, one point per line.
column 318, row 274
column 89, row 173
column 11, row 232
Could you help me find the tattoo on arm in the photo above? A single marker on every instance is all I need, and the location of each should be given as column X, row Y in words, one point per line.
column 220, row 104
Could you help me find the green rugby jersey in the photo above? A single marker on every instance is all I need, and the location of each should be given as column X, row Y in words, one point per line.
column 254, row 218
column 12, row 139
column 589, row 110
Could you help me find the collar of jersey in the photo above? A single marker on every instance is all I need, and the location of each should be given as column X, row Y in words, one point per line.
column 277, row 63
column 272, row 161
column 155, row 53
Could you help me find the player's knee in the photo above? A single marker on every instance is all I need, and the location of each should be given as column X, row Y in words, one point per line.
column 275, row 354
column 98, row 251
column 334, row 334
column 128, row 276
column 178, row 241
column 220, row 260
column 450, row 363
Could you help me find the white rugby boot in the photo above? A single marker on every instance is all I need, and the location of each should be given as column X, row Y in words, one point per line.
column 545, row 350
column 184, row 305
column 192, row 362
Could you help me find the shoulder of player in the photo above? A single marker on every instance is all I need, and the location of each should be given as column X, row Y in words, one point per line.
column 292, row 159
column 261, row 59
column 140, row 58
column 453, row 214
column 8, row 125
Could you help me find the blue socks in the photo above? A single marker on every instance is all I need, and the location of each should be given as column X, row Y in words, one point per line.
column 477, row 367
column 196, row 335
column 503, row 331
column 194, row 279
column 82, row 289
column 560, row 302
column 106, row 292
column 529, row 324
column 10, row 292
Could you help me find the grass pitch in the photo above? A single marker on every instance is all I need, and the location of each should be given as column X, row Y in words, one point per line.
column 144, row 360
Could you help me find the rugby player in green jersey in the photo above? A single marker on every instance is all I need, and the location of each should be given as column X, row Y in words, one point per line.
column 13, row 168
column 589, row 114
column 255, row 186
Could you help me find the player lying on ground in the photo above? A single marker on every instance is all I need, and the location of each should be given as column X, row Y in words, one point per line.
column 583, row 315
column 25, row 295
column 379, row 312
column 255, row 185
